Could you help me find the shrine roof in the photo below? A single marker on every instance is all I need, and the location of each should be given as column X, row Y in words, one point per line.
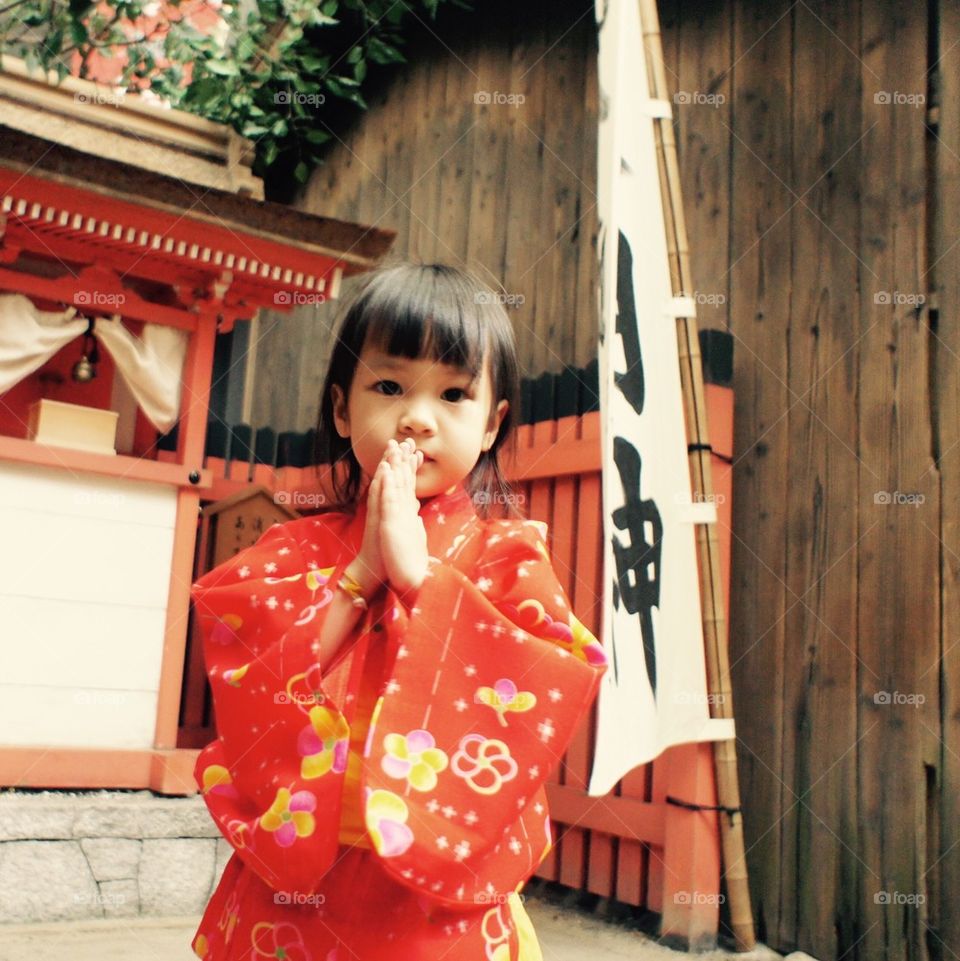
column 355, row 246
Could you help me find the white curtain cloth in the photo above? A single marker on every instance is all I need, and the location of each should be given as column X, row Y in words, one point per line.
column 30, row 337
column 151, row 365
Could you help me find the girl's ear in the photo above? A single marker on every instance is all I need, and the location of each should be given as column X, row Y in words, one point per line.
column 491, row 435
column 341, row 419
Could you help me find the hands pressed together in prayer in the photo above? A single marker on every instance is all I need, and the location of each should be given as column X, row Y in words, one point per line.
column 394, row 548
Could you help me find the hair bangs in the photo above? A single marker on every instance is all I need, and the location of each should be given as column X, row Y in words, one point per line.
column 427, row 317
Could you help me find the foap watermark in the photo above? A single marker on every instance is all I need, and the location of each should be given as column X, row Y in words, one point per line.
column 698, row 897
column 499, row 497
column 499, row 297
column 699, row 497
column 899, row 298
column 299, row 499
column 899, row 98
column 100, row 898
column 295, row 96
column 109, row 98
column 705, row 299
column 484, row 98
column 87, row 698
column 495, row 897
column 298, row 897
column 98, row 298
column 299, row 697
column 698, row 98
column 297, row 298
column 898, row 498
column 899, row 697
column 698, row 697
column 899, row 897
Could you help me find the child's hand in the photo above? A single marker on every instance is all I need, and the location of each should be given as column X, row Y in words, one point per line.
column 368, row 567
column 403, row 538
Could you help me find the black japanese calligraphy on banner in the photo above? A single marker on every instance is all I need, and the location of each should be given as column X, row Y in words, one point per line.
column 637, row 582
column 629, row 383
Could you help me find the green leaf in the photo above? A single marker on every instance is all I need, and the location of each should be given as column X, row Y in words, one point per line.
column 222, row 68
column 246, row 47
column 317, row 136
column 269, row 152
column 381, row 52
column 315, row 64
column 301, row 172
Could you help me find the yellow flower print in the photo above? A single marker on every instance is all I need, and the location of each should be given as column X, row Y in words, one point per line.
column 235, row 676
column 323, row 743
column 290, row 817
column 414, row 758
column 217, row 780
column 385, row 815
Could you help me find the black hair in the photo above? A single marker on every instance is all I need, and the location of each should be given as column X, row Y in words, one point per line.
column 431, row 311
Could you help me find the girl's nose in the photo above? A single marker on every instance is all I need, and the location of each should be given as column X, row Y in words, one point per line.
column 418, row 418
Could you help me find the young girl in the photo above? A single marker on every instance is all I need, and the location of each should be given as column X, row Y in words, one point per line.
column 395, row 679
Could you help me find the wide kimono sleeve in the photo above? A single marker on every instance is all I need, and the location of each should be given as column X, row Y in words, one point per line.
column 272, row 779
column 493, row 674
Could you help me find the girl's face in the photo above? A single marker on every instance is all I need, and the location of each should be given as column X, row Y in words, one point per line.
column 435, row 404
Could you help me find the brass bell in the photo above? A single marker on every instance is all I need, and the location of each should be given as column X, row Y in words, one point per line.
column 85, row 369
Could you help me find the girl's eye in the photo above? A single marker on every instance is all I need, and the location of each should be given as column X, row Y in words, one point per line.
column 389, row 383
column 455, row 390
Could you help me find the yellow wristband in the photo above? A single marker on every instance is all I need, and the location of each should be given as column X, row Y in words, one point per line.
column 351, row 586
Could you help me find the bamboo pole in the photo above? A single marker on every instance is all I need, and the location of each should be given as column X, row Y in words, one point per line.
column 711, row 586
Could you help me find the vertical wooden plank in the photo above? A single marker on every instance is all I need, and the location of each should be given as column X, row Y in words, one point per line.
column 702, row 107
column 523, row 222
column 899, row 488
column 942, row 760
column 820, row 646
column 759, row 278
column 586, row 320
column 433, row 140
column 554, row 267
column 495, row 128
column 455, row 169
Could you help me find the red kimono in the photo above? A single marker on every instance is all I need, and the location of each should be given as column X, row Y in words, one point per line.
column 407, row 832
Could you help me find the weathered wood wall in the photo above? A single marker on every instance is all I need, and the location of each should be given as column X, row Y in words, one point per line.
column 509, row 190
column 823, row 220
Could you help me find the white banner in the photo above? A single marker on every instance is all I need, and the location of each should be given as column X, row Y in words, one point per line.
column 654, row 693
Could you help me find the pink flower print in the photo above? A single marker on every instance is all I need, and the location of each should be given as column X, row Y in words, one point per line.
column 413, row 758
column 282, row 941
column 323, row 743
column 225, row 630
column 290, row 817
column 385, row 815
column 504, row 696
